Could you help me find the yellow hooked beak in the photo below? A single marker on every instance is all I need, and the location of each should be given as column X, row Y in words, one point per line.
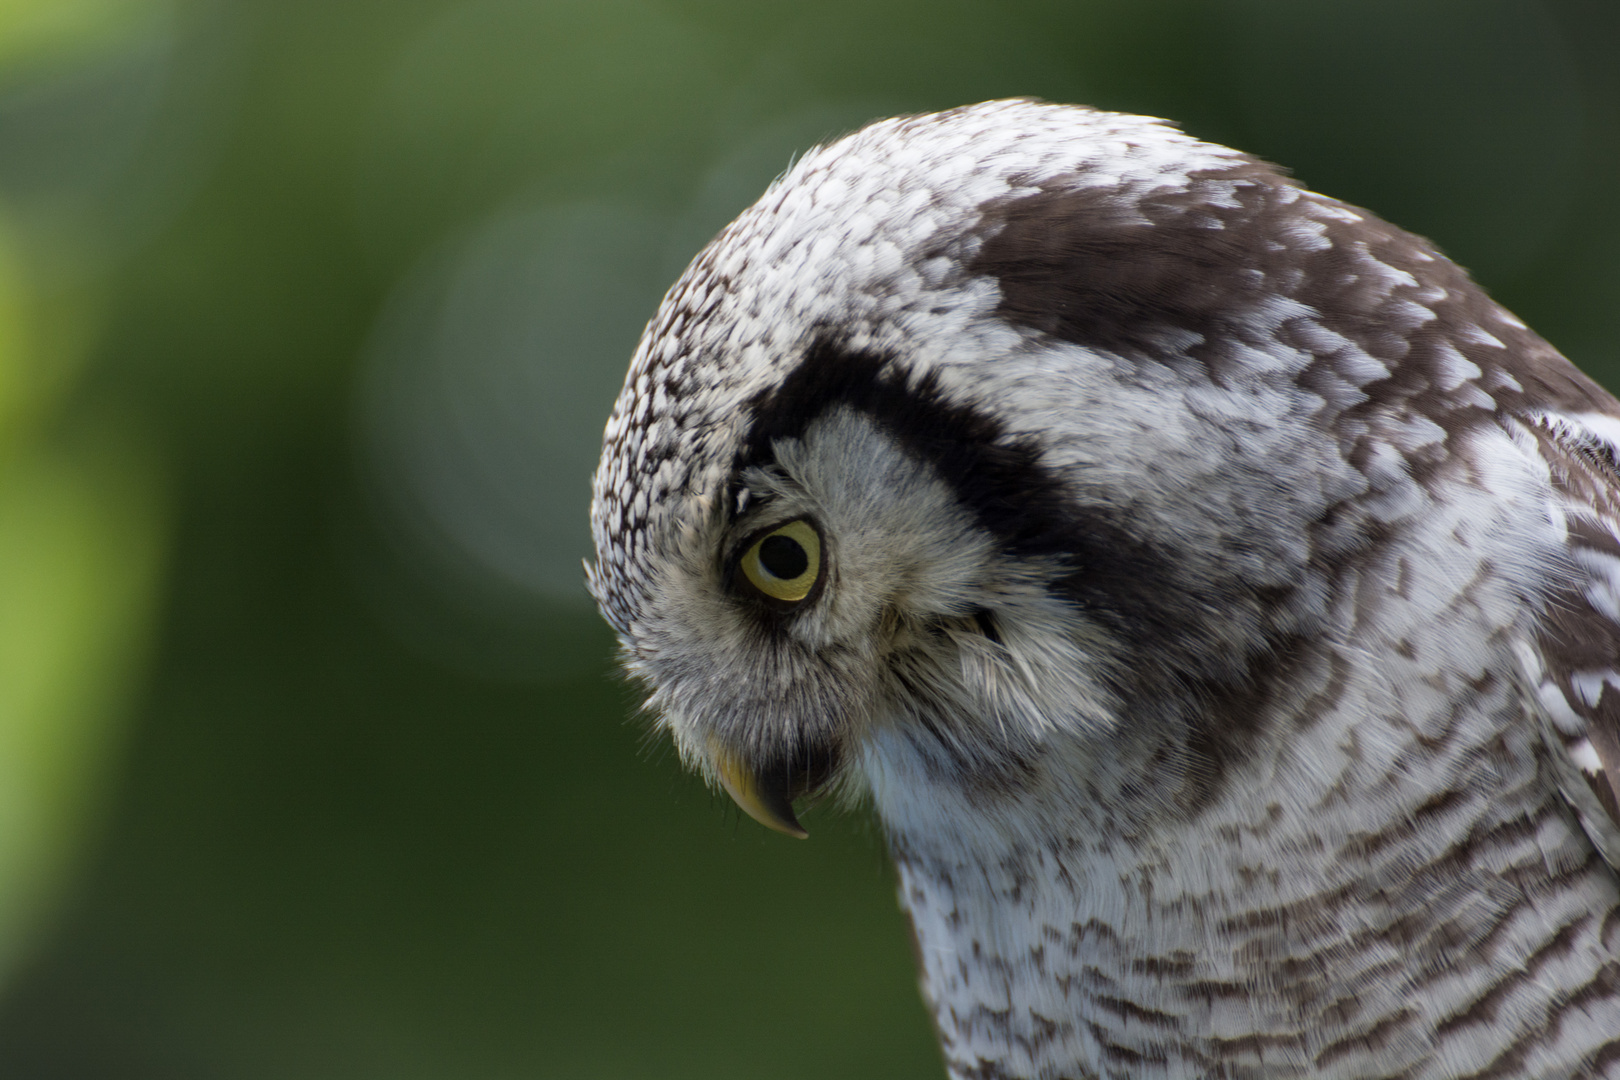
column 766, row 802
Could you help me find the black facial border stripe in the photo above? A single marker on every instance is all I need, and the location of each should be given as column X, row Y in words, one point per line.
column 1000, row 480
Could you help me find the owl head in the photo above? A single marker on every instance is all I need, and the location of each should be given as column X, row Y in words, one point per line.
column 995, row 434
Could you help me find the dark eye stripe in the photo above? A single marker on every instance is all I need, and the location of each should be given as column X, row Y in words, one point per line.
column 1116, row 576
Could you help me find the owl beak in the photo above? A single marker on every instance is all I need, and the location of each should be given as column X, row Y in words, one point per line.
column 766, row 799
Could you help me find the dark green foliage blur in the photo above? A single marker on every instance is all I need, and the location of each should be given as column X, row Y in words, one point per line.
column 325, row 772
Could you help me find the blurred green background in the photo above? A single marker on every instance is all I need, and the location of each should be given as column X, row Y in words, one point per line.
column 312, row 763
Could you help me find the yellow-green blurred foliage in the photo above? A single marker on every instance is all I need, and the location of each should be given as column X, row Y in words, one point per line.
column 81, row 528
column 36, row 35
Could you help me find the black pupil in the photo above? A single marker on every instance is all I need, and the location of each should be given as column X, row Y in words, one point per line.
column 783, row 557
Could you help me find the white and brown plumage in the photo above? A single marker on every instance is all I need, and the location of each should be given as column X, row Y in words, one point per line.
column 1216, row 594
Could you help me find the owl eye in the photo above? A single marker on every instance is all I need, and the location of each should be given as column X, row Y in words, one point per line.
column 784, row 564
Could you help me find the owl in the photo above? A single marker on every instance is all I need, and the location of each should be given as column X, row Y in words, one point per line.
column 1213, row 593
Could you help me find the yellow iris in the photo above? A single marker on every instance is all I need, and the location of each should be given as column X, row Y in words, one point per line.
column 785, row 563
